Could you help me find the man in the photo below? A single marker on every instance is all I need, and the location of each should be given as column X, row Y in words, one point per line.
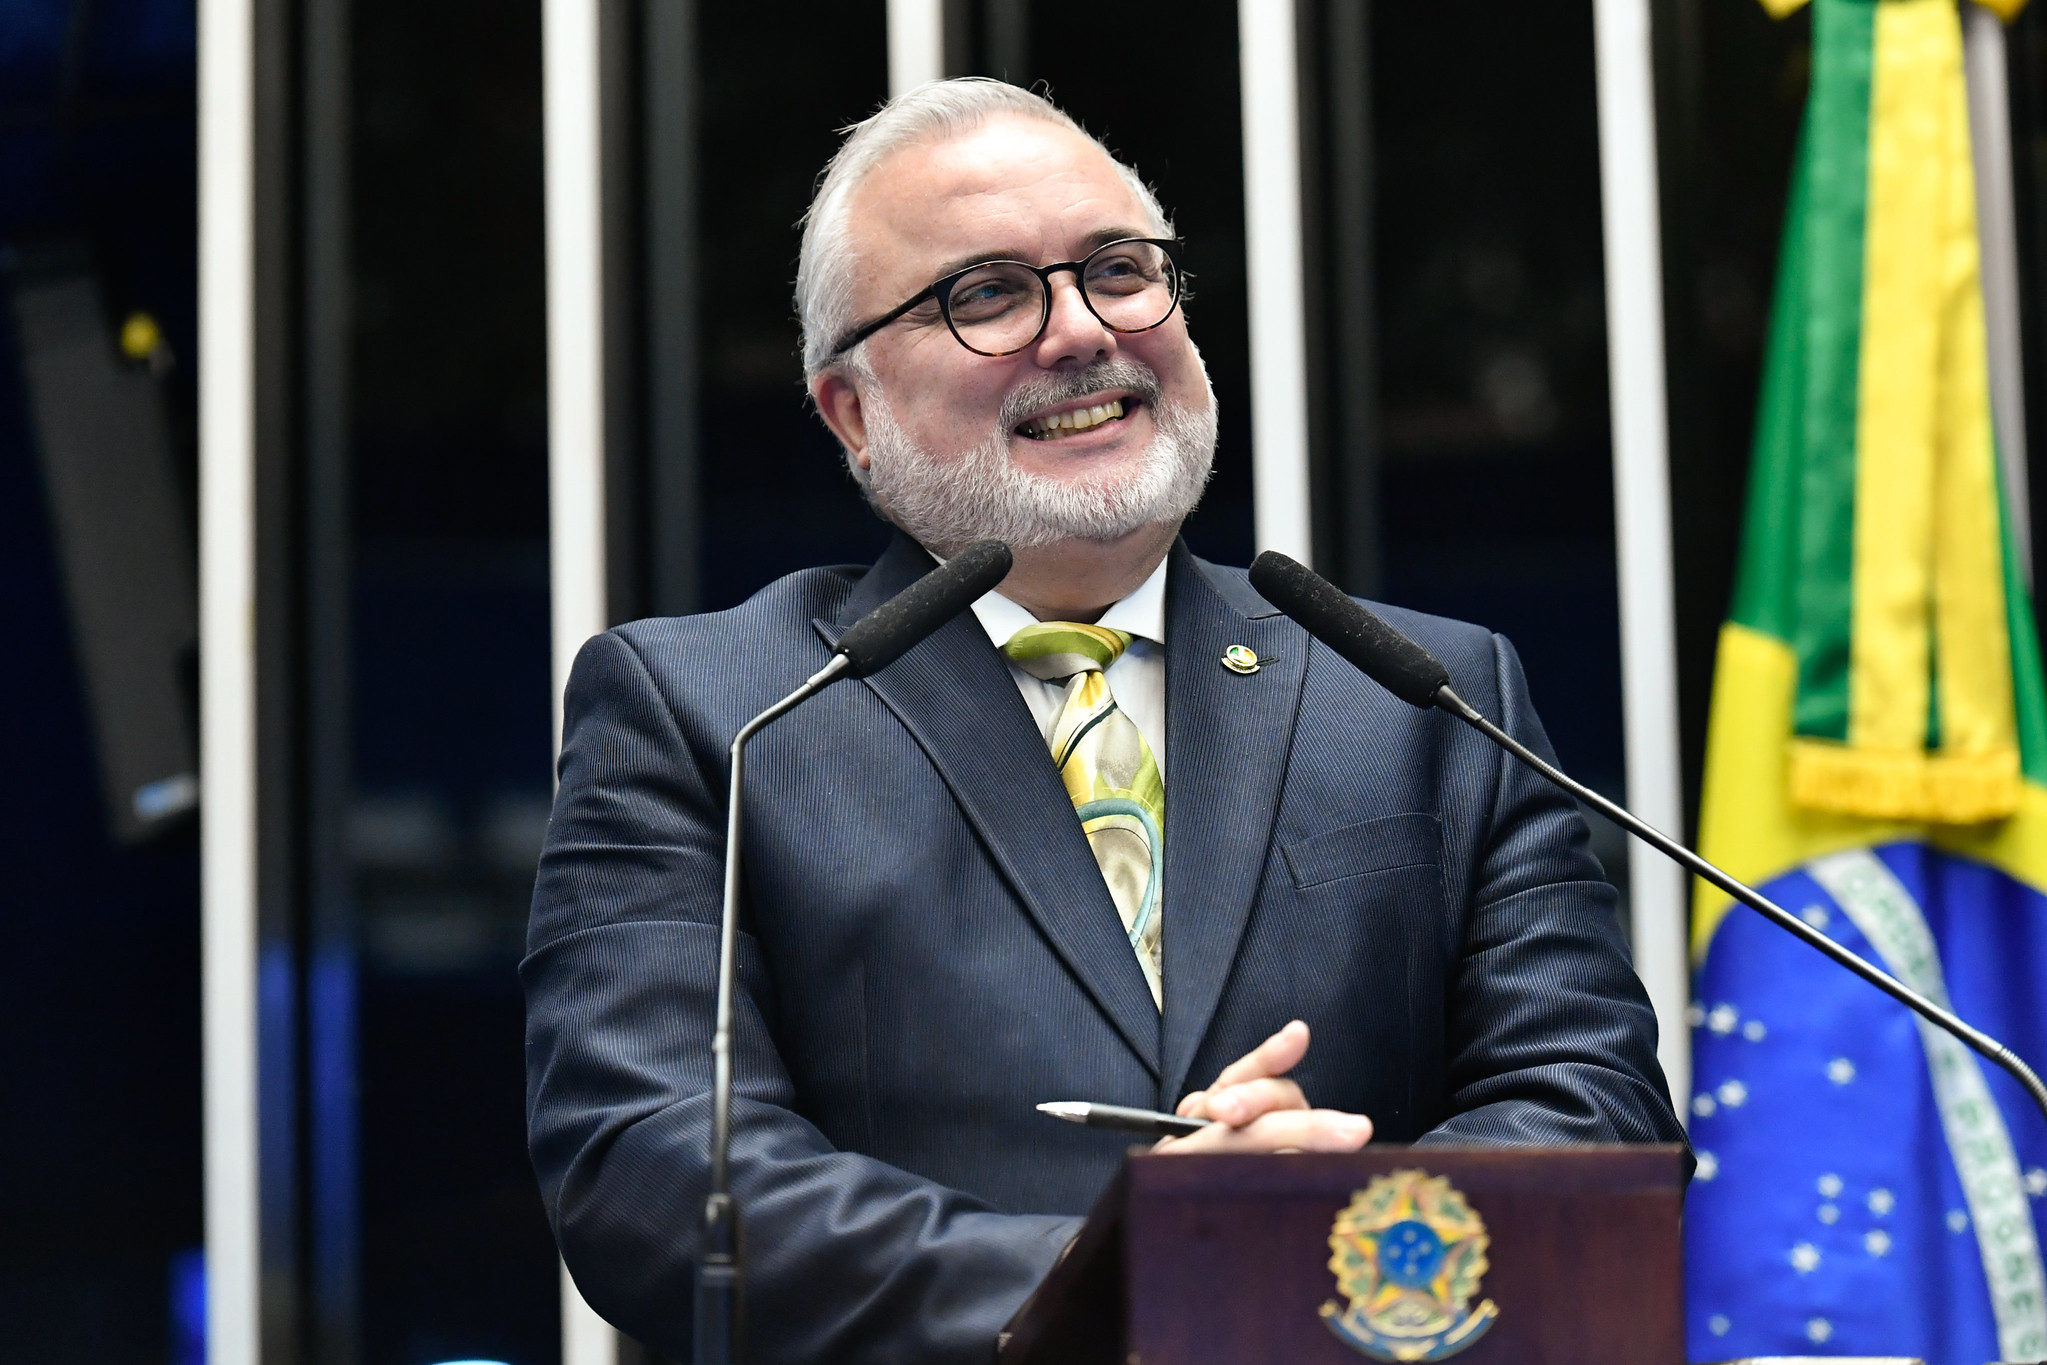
column 1058, row 850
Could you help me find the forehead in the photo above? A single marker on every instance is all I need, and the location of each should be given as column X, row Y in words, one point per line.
column 1011, row 187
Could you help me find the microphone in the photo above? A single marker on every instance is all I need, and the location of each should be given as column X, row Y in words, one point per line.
column 1415, row 676
column 875, row 641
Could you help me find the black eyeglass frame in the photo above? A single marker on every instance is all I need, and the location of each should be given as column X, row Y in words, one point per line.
column 941, row 290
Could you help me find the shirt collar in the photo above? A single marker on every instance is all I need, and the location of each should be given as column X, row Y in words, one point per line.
column 1142, row 613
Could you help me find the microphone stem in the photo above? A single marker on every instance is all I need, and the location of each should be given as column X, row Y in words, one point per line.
column 721, row 1271
column 1449, row 701
column 728, row 926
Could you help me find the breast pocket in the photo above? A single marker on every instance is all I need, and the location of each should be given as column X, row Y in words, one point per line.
column 1394, row 841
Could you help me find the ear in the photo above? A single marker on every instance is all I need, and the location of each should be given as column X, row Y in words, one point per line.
column 838, row 402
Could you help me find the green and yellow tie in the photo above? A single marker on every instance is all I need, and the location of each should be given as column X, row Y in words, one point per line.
column 1109, row 772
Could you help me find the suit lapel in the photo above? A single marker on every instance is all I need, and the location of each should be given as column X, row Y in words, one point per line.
column 1227, row 740
column 954, row 693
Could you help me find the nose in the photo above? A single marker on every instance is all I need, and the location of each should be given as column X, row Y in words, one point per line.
column 1073, row 335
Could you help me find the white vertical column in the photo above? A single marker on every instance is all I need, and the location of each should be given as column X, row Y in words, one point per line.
column 572, row 133
column 586, row 1338
column 1272, row 249
column 227, row 680
column 1997, row 229
column 916, row 44
column 1641, row 488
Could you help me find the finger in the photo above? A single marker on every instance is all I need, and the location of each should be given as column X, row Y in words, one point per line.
column 1302, row 1130
column 1193, row 1105
column 1276, row 1056
column 1238, row 1105
column 1312, row 1130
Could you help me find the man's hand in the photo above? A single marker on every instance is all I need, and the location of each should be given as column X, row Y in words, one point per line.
column 1256, row 1109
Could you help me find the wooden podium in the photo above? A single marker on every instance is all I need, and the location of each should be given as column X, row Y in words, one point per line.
column 1226, row 1260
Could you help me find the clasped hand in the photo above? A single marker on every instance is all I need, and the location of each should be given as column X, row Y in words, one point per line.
column 1255, row 1108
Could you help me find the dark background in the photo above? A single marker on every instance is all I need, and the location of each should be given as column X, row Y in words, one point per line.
column 449, row 785
column 99, row 1000
column 1487, row 435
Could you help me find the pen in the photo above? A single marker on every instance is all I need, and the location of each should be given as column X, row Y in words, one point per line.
column 1147, row 1121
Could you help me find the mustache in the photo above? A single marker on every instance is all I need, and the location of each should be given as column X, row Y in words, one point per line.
column 1049, row 390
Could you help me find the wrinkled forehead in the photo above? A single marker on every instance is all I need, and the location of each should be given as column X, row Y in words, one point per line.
column 1013, row 187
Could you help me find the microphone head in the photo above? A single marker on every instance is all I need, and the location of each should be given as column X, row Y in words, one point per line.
column 1384, row 655
column 879, row 638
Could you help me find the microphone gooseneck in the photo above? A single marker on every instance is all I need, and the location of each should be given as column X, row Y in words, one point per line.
column 1403, row 667
column 873, row 642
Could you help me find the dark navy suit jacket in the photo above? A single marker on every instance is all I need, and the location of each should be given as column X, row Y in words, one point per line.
column 930, row 950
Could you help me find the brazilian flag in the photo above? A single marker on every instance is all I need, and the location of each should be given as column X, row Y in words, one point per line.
column 1877, row 762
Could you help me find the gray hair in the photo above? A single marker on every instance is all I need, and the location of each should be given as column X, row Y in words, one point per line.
column 933, row 112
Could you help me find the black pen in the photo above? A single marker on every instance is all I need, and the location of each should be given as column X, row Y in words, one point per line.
column 1149, row 1122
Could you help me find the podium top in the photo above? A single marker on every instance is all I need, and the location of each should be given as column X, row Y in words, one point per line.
column 1560, row 1253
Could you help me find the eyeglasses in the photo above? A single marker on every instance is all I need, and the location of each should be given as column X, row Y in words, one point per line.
column 999, row 307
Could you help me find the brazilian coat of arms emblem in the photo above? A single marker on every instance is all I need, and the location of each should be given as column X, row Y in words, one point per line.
column 1408, row 1254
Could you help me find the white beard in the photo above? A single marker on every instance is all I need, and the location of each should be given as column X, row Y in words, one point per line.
column 948, row 504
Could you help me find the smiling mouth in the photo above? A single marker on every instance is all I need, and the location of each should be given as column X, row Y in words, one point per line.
column 1058, row 425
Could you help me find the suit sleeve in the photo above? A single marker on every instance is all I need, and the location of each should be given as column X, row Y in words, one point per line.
column 1550, row 1036
column 848, row 1259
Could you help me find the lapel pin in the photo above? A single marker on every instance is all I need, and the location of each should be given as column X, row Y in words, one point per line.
column 1242, row 659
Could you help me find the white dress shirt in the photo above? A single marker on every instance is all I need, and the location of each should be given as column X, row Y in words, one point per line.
column 1138, row 677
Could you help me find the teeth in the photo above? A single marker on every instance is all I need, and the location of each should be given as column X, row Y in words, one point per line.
column 1080, row 419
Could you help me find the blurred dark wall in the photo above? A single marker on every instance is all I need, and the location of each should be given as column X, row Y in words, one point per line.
column 448, row 641
column 99, row 991
column 1497, row 501
column 776, row 497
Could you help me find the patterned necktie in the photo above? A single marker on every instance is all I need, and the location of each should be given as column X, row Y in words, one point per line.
column 1109, row 773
